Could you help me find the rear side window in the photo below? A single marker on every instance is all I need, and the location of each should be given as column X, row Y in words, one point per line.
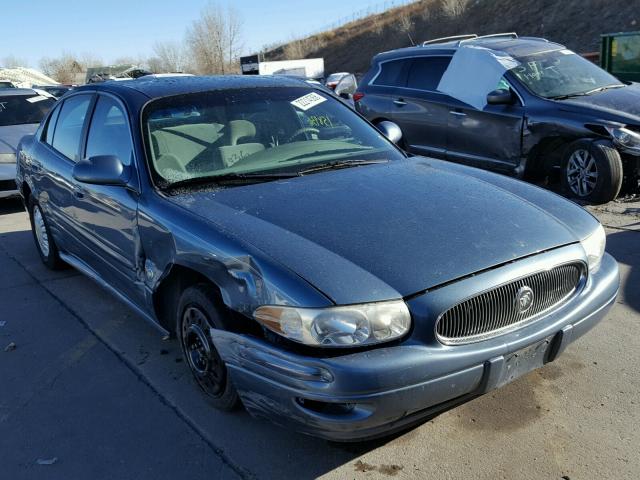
column 51, row 125
column 66, row 137
column 425, row 72
column 109, row 131
column 390, row 73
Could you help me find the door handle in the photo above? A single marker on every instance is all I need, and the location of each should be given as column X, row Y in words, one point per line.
column 400, row 102
column 460, row 114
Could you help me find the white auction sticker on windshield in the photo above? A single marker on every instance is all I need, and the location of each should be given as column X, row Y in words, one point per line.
column 308, row 101
column 39, row 98
column 567, row 52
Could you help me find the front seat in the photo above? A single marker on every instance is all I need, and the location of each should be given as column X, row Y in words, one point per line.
column 235, row 132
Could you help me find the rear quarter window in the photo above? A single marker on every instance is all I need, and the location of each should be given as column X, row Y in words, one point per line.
column 391, row 73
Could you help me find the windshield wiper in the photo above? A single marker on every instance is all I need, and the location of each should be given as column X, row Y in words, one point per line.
column 337, row 164
column 588, row 92
column 317, row 153
column 229, row 177
column 602, row 89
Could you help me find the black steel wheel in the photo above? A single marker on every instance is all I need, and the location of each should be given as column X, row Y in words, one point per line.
column 197, row 314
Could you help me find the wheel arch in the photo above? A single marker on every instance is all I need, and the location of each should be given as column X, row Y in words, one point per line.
column 166, row 294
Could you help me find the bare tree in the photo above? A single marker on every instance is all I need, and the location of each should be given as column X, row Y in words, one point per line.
column 214, row 39
column 454, row 8
column 405, row 25
column 11, row 61
column 63, row 69
column 169, row 57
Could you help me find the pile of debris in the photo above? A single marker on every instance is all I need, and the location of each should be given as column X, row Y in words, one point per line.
column 25, row 77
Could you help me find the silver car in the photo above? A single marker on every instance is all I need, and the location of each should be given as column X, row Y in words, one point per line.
column 21, row 110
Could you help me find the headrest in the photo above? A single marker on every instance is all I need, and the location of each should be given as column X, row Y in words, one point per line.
column 239, row 129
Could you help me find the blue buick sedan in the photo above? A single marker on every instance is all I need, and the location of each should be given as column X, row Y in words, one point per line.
column 309, row 269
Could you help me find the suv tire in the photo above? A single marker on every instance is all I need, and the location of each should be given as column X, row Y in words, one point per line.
column 197, row 312
column 592, row 171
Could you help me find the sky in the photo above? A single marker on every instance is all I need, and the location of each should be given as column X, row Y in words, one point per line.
column 108, row 29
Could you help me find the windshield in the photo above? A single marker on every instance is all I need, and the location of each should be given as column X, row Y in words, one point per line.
column 561, row 73
column 20, row 109
column 255, row 131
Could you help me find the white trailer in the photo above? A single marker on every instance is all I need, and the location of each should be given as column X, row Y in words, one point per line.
column 304, row 68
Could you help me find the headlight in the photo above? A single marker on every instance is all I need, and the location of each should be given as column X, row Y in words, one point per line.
column 594, row 247
column 347, row 326
column 625, row 138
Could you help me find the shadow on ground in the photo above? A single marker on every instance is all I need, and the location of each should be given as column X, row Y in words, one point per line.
column 624, row 245
column 10, row 205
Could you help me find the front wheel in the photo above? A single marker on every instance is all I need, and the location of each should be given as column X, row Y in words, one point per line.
column 592, row 171
column 197, row 314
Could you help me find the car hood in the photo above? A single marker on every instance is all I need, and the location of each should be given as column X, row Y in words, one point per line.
column 11, row 135
column 386, row 231
column 619, row 104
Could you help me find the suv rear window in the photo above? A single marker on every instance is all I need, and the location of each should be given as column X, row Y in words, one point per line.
column 425, row 72
column 390, row 73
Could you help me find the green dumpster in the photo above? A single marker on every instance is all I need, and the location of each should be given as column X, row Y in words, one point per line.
column 620, row 55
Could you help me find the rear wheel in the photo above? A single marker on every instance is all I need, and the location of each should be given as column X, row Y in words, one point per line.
column 44, row 241
column 592, row 171
column 197, row 314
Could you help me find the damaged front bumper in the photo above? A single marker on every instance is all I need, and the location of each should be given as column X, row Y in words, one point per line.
column 368, row 394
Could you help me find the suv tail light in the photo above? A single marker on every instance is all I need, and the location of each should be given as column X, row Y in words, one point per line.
column 358, row 96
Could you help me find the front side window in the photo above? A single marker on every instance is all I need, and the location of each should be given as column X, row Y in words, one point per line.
column 66, row 137
column 109, row 131
column 561, row 73
column 276, row 130
column 23, row 109
column 426, row 72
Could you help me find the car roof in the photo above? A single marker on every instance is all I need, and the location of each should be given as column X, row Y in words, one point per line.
column 167, row 86
column 10, row 92
column 514, row 46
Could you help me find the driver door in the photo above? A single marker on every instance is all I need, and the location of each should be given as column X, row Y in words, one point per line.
column 488, row 138
column 108, row 214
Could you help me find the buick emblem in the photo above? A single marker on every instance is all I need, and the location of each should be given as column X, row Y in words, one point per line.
column 524, row 299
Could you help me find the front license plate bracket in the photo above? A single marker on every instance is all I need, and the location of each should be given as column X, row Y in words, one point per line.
column 523, row 361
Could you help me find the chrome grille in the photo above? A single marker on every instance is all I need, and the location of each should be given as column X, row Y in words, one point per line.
column 499, row 310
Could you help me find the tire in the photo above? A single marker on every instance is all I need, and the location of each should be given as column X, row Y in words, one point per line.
column 196, row 313
column 42, row 237
column 592, row 171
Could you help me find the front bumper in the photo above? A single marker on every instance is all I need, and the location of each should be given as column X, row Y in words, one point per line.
column 377, row 392
column 8, row 186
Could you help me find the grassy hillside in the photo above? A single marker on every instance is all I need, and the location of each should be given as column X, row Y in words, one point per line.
column 575, row 23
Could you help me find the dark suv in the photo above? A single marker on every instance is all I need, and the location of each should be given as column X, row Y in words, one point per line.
column 520, row 105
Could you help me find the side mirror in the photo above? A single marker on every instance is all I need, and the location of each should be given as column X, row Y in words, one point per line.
column 347, row 86
column 390, row 130
column 101, row 170
column 501, row 96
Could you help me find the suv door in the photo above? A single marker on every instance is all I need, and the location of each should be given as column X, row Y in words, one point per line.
column 51, row 169
column 487, row 138
column 377, row 103
column 108, row 214
column 420, row 110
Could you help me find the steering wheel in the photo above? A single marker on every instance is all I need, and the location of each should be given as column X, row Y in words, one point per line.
column 300, row 131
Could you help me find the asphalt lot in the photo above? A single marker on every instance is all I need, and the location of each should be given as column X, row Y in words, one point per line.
column 92, row 391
